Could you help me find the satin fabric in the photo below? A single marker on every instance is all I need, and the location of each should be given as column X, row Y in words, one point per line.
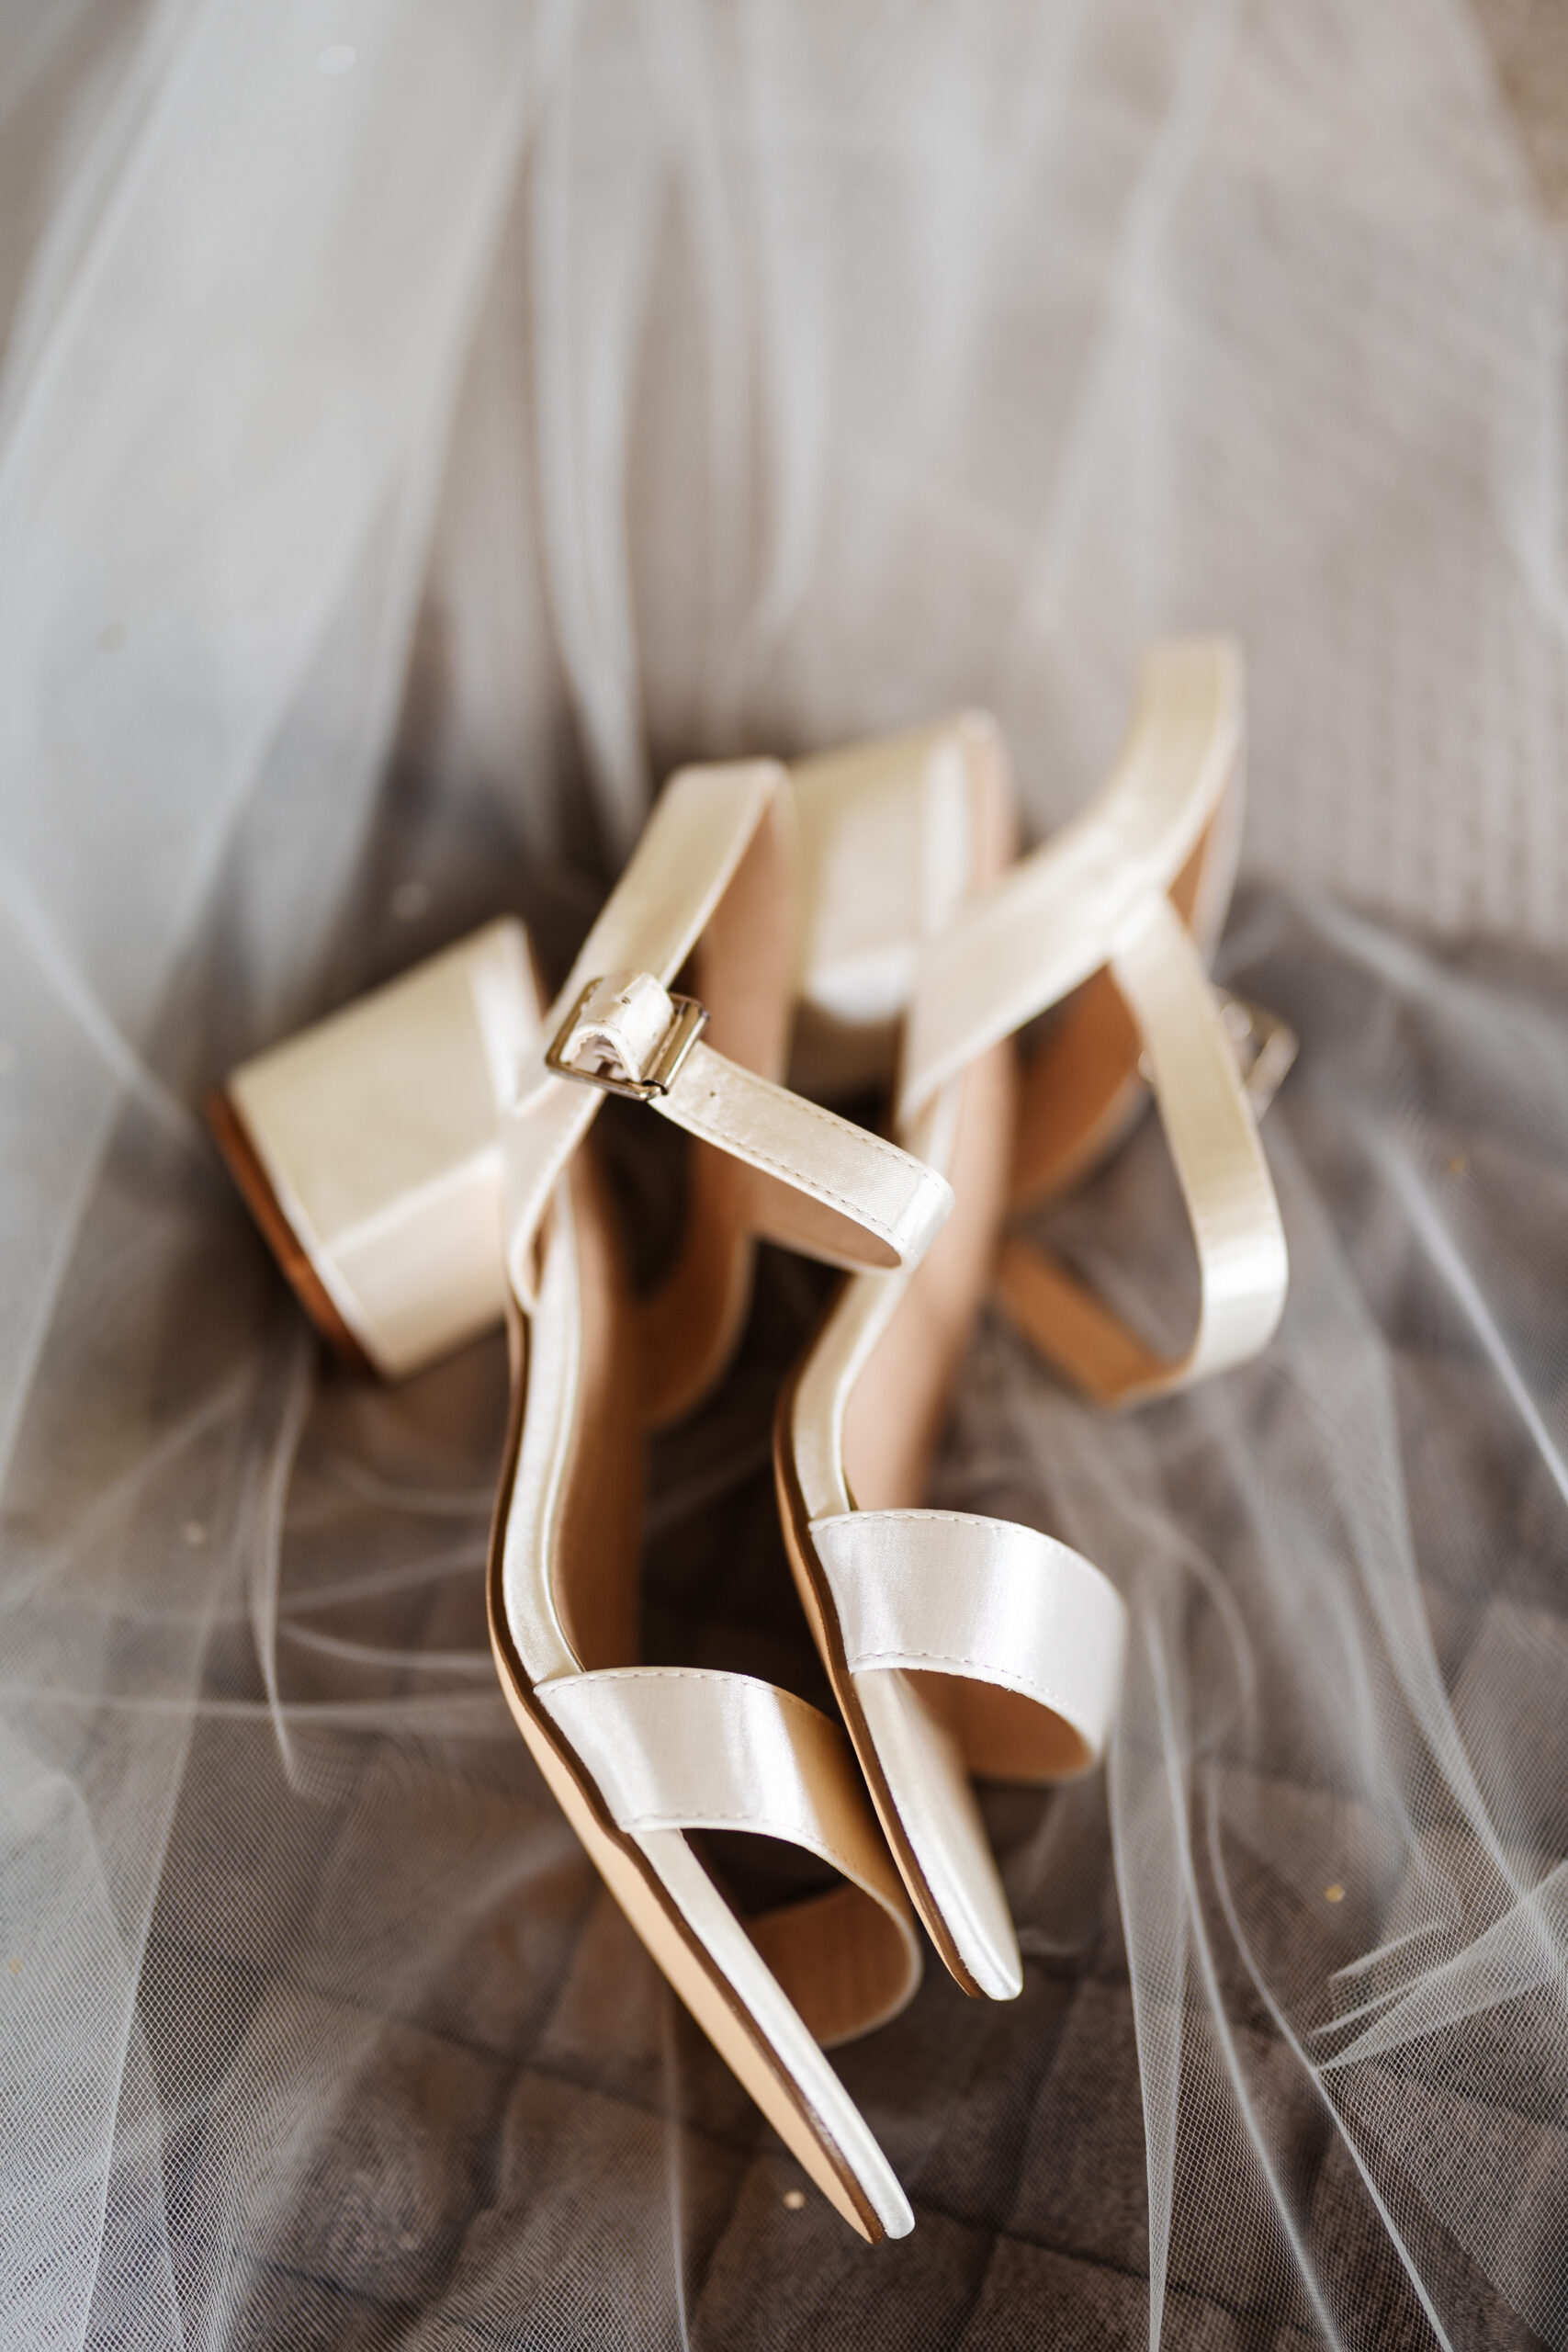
column 1097, row 897
column 1060, row 913
column 882, row 828
column 986, row 1599
column 1242, row 1265
column 686, row 1747
column 377, row 1131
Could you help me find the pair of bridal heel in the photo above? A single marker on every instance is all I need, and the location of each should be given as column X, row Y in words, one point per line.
column 423, row 1164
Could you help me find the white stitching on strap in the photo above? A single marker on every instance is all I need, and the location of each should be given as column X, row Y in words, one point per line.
column 1023, row 1611
column 877, row 1146
column 653, row 1770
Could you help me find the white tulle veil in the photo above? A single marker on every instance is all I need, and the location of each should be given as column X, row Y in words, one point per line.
column 419, row 427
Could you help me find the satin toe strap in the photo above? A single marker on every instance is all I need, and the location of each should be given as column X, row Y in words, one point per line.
column 986, row 1602
column 1211, row 1129
column 688, row 1748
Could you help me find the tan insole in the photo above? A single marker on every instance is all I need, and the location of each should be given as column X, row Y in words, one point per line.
column 594, row 1576
column 742, row 970
column 893, row 1418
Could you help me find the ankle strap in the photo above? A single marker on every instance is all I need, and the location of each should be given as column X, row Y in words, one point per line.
column 818, row 1184
column 1059, row 915
column 1210, row 1126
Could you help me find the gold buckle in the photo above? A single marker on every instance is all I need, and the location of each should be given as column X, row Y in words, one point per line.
column 1265, row 1047
column 605, row 1021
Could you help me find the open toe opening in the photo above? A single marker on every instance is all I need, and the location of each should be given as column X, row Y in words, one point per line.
column 1005, row 1735
column 845, row 1963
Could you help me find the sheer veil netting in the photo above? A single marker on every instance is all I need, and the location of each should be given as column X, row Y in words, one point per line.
column 421, row 427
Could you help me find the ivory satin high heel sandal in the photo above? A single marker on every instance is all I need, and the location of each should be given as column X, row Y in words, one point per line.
column 959, row 1646
column 955, row 1645
column 638, row 1757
